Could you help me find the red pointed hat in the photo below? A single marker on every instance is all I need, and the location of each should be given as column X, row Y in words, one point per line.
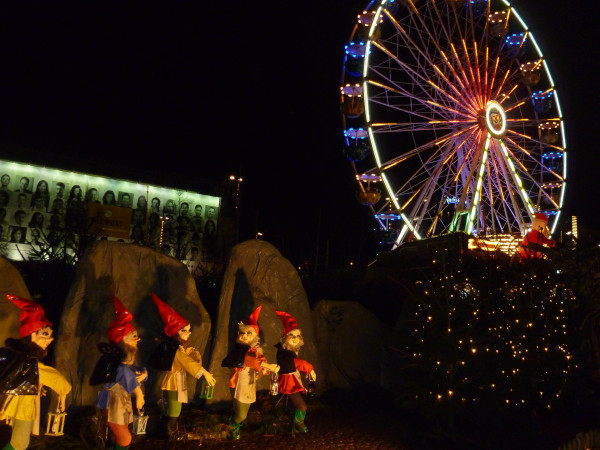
column 541, row 216
column 289, row 323
column 121, row 326
column 32, row 315
column 173, row 321
column 253, row 319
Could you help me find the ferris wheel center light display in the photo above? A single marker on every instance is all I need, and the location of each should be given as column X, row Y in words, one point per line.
column 495, row 119
column 449, row 109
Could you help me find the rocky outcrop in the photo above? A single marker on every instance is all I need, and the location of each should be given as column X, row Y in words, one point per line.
column 131, row 273
column 11, row 282
column 257, row 274
column 351, row 343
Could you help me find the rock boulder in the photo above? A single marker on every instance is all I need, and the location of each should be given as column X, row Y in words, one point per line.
column 257, row 274
column 132, row 273
column 11, row 282
column 351, row 343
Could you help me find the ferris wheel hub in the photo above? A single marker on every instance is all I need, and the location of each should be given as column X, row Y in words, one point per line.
column 495, row 119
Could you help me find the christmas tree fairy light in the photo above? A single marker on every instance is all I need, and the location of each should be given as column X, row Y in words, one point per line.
column 495, row 334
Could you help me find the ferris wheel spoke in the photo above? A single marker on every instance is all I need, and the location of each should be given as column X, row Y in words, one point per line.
column 455, row 89
column 417, row 77
column 478, row 72
column 524, row 174
column 422, row 148
column 532, row 180
column 502, row 84
column 412, row 45
column 516, row 209
column 397, row 89
column 425, row 176
column 418, row 180
column 432, row 125
column 515, row 106
column 485, row 83
column 404, row 94
column 493, row 82
column 472, row 94
column 469, row 24
column 442, row 23
column 474, row 83
column 506, row 95
column 506, row 158
column 425, row 209
column 441, row 51
column 534, row 141
column 490, row 196
column 500, row 186
column 466, row 94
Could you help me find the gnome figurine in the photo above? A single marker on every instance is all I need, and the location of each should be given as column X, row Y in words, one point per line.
column 538, row 236
column 247, row 362
column 290, row 368
column 119, row 377
column 175, row 357
column 22, row 374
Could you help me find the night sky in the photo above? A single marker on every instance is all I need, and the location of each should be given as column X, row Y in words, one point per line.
column 193, row 91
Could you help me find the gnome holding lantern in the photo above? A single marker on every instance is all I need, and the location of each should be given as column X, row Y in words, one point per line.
column 290, row 368
column 119, row 377
column 175, row 357
column 247, row 362
column 538, row 236
column 22, row 374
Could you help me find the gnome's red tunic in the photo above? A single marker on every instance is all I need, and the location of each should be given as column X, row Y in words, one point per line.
column 289, row 372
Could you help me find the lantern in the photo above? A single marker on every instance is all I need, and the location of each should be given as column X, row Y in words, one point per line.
column 139, row 422
column 310, row 388
column 56, row 423
column 206, row 390
column 274, row 386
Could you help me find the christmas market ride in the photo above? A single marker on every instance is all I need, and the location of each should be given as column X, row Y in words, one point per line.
column 452, row 123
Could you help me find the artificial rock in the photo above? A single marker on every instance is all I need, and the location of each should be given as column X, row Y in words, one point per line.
column 11, row 282
column 131, row 273
column 351, row 342
column 257, row 274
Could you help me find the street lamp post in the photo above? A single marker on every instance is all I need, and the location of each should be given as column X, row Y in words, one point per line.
column 238, row 180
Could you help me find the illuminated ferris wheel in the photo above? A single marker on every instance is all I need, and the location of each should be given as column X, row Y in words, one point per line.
column 451, row 119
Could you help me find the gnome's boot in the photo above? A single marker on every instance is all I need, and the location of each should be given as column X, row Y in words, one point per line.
column 173, row 429
column 164, row 428
column 299, row 422
column 234, row 429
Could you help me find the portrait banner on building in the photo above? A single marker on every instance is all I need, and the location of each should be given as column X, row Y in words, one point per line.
column 41, row 207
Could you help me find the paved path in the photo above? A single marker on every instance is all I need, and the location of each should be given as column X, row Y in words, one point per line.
column 333, row 424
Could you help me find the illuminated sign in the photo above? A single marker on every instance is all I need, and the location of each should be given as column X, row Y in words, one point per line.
column 452, row 200
column 42, row 207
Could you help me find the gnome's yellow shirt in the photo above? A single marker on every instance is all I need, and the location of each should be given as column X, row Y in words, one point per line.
column 186, row 360
column 24, row 407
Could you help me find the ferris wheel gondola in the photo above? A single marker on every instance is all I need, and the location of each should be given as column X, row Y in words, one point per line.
column 449, row 106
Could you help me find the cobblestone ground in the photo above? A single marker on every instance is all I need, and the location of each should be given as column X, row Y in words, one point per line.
column 333, row 424
column 342, row 421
